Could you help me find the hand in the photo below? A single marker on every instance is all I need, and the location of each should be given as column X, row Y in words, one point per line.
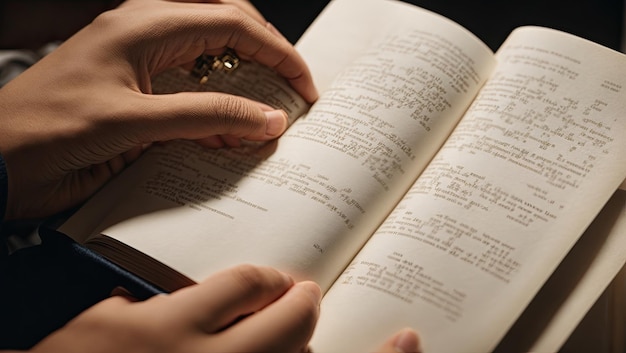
column 82, row 113
column 243, row 309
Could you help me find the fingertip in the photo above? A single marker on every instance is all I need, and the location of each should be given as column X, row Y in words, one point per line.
column 305, row 86
column 313, row 93
column 313, row 290
column 312, row 96
column 406, row 341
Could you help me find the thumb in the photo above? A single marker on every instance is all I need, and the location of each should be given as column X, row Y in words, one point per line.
column 403, row 341
column 201, row 115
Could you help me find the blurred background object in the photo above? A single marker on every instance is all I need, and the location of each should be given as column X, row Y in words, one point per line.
column 29, row 24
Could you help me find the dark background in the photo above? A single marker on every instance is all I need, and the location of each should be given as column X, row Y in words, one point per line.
column 32, row 23
column 491, row 20
column 29, row 24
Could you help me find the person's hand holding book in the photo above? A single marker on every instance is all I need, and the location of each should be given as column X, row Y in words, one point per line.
column 242, row 309
column 82, row 113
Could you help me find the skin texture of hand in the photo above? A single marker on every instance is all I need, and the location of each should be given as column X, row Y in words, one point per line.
column 77, row 117
column 243, row 309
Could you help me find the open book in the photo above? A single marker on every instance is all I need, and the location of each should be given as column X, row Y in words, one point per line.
column 434, row 184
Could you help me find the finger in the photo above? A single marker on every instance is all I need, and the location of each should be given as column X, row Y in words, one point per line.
column 249, row 9
column 219, row 141
column 211, row 142
column 267, row 46
column 231, row 141
column 227, row 27
column 123, row 292
column 228, row 295
column 88, row 180
column 404, row 341
column 284, row 326
column 198, row 116
column 94, row 177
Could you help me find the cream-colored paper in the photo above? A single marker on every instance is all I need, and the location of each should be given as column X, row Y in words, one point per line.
column 575, row 286
column 494, row 213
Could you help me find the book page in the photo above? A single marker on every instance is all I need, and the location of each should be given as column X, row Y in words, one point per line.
column 249, row 80
column 575, row 285
column 537, row 155
column 307, row 202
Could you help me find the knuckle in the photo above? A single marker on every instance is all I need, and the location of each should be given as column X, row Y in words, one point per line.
column 230, row 16
column 250, row 277
column 110, row 19
column 106, row 18
column 231, row 9
column 235, row 22
column 233, row 115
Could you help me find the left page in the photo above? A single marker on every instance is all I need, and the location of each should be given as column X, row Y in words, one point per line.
column 250, row 80
column 316, row 194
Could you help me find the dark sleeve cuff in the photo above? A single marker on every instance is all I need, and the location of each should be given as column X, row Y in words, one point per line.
column 4, row 190
column 4, row 251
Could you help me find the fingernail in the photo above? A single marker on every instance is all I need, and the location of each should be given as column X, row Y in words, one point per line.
column 276, row 122
column 119, row 291
column 123, row 292
column 407, row 342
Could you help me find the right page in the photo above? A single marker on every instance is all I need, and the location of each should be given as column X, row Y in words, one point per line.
column 574, row 287
column 535, row 158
